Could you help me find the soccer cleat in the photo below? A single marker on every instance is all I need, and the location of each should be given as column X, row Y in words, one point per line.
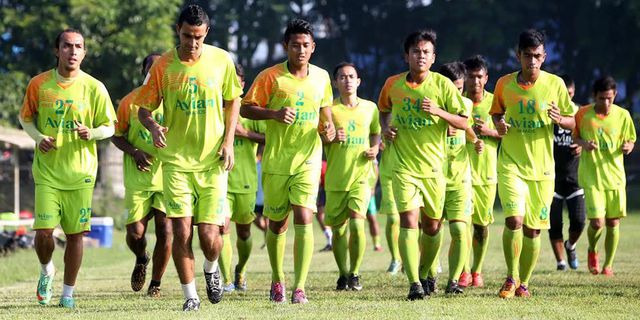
column 342, row 283
column 230, row 287
column 572, row 255
column 277, row 292
column 154, row 292
column 239, row 281
column 298, row 296
column 326, row 248
column 508, row 289
column 607, row 271
column 354, row 282
column 561, row 266
column 522, row 292
column 477, row 280
column 67, row 302
column 416, row 292
column 453, row 288
column 191, row 305
column 214, row 286
column 429, row 286
column 138, row 275
column 593, row 262
column 44, row 291
column 378, row 248
column 464, row 280
column 394, row 267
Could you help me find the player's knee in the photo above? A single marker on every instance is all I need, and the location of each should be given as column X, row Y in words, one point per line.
column 513, row 223
column 596, row 223
column 243, row 231
column 613, row 222
column 431, row 227
column 480, row 233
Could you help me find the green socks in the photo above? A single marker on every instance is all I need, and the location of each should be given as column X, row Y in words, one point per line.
column 392, row 231
column 459, row 248
column 611, row 245
column 480, row 246
column 226, row 254
column 467, row 260
column 302, row 253
column 511, row 246
column 275, row 249
column 593, row 235
column 430, row 251
column 529, row 257
column 357, row 244
column 244, row 250
column 409, row 252
column 340, row 247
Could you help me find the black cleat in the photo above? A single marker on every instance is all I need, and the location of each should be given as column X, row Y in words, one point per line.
column 416, row 292
column 139, row 274
column 191, row 305
column 572, row 256
column 453, row 288
column 429, row 285
column 214, row 286
column 342, row 283
column 327, row 248
column 354, row 282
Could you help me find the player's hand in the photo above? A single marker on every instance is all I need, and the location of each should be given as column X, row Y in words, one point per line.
column 554, row 113
column 143, row 160
column 47, row 144
column 430, row 107
column 226, row 155
column 372, row 152
column 479, row 146
column 590, row 145
column 341, row 135
column 576, row 149
column 627, row 147
column 391, row 133
column 286, row 115
column 241, row 131
column 502, row 127
column 82, row 130
column 329, row 131
column 382, row 146
column 481, row 128
column 451, row 131
column 158, row 135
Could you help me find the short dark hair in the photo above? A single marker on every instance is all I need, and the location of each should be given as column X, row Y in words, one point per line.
column 194, row 15
column 475, row 63
column 239, row 70
column 530, row 38
column 68, row 30
column 421, row 35
column 568, row 81
column 453, row 70
column 342, row 65
column 605, row 83
column 148, row 60
column 297, row 26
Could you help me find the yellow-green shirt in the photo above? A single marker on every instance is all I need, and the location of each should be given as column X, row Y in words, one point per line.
column 243, row 178
column 458, row 172
column 483, row 165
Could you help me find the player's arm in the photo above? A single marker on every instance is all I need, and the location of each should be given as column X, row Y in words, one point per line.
column 481, row 128
column 243, row 132
column 473, row 138
column 388, row 131
column 100, row 133
column 143, row 159
column 501, row 125
column 566, row 122
column 157, row 131
column 231, row 109
column 328, row 128
column 454, row 120
column 374, row 147
column 44, row 143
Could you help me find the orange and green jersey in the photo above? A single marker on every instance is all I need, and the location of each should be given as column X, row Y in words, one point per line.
column 54, row 107
column 346, row 163
column 458, row 172
column 483, row 165
column 603, row 168
column 297, row 147
column 137, row 135
column 420, row 146
column 243, row 178
column 192, row 95
column 527, row 148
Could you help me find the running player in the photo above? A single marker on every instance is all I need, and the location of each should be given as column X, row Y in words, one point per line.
column 606, row 133
column 143, row 190
column 526, row 104
column 566, row 154
column 241, row 195
column 349, row 170
column 422, row 105
column 294, row 96
column 65, row 111
column 198, row 86
column 483, row 167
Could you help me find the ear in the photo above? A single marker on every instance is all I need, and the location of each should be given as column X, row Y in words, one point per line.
column 178, row 30
column 358, row 81
column 313, row 47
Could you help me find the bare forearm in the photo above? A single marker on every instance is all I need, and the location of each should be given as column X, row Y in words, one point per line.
column 454, row 120
column 374, row 140
column 470, row 135
column 568, row 123
column 124, row 145
column 231, row 109
column 257, row 113
column 255, row 137
column 325, row 115
column 385, row 120
column 146, row 119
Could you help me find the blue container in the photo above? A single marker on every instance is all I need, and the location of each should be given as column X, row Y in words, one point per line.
column 102, row 230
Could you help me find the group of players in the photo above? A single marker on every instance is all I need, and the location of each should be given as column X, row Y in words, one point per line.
column 447, row 146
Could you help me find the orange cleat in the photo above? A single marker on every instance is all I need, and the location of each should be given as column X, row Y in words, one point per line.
column 593, row 262
column 607, row 271
column 508, row 289
column 464, row 280
column 477, row 280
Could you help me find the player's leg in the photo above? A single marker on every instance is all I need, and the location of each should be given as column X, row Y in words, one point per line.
column 337, row 216
column 555, row 232
column 511, row 190
column 161, row 251
column 374, row 227
column 276, row 209
column 303, row 250
column 359, row 200
column 392, row 228
column 458, row 211
column 483, row 201
column 244, row 244
column 226, row 255
column 320, row 217
column 577, row 216
column 616, row 209
column 46, row 204
column 138, row 205
column 595, row 203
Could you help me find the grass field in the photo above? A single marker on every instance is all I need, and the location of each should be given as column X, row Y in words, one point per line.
column 103, row 290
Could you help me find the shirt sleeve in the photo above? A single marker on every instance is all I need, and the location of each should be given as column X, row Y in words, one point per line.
column 452, row 99
column 374, row 128
column 564, row 102
column 231, row 88
column 327, row 99
column 259, row 93
column 30, row 105
column 497, row 105
column 150, row 95
column 384, row 100
column 104, row 114
column 628, row 128
column 123, row 113
column 578, row 117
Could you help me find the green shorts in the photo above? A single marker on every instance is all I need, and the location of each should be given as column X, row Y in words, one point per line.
column 138, row 204
column 339, row 203
column 530, row 199
column 69, row 208
column 484, row 197
column 242, row 206
column 201, row 195
column 283, row 191
column 609, row 204
column 387, row 202
column 413, row 193
column 457, row 204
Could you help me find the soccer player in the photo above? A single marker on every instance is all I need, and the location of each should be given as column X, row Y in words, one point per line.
column 65, row 111
column 199, row 89
column 388, row 208
column 241, row 195
column 566, row 154
column 525, row 106
column 422, row 105
column 606, row 133
column 143, row 190
column 483, row 166
column 349, row 170
column 295, row 97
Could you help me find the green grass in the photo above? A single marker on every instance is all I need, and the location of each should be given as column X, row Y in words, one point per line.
column 103, row 290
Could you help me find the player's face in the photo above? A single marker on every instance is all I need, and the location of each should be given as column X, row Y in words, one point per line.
column 299, row 49
column 347, row 80
column 604, row 99
column 572, row 91
column 421, row 56
column 476, row 80
column 531, row 58
column 70, row 51
column 191, row 38
column 459, row 84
